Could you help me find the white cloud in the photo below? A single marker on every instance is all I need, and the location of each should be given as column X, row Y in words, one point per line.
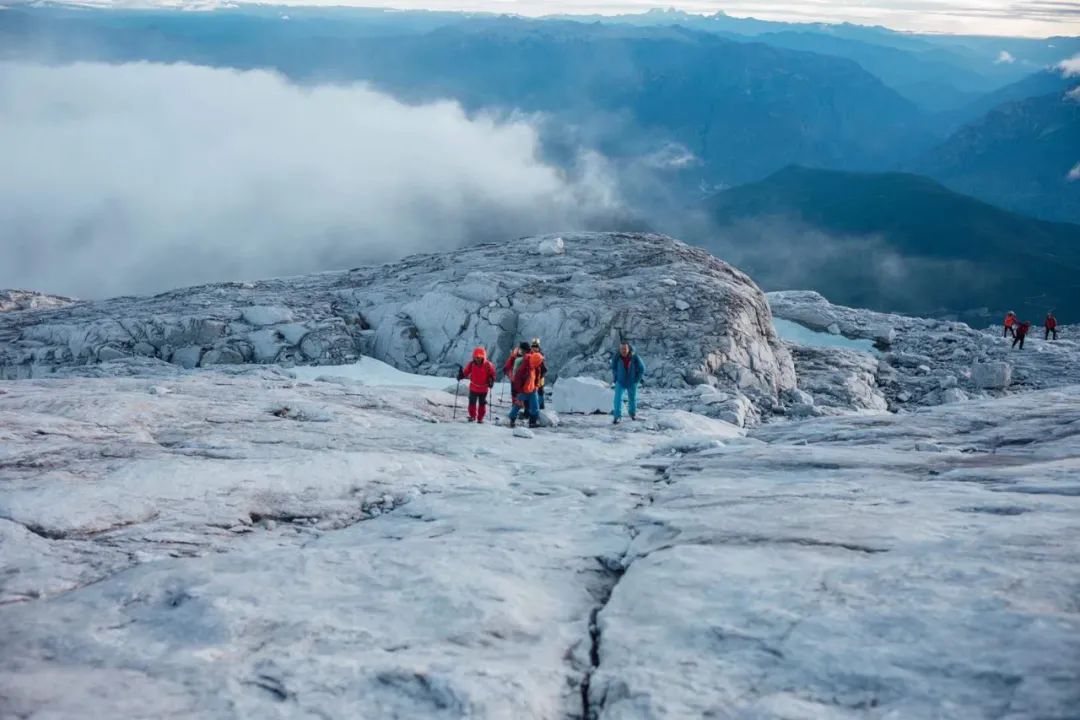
column 140, row 177
column 1005, row 57
column 1074, row 174
column 1073, row 94
column 1071, row 66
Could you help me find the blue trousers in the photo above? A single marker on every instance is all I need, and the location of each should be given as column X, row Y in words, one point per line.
column 631, row 394
column 531, row 401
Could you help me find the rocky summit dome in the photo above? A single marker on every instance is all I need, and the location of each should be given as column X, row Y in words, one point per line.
column 695, row 319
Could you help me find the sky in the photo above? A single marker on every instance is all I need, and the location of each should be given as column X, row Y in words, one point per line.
column 1033, row 18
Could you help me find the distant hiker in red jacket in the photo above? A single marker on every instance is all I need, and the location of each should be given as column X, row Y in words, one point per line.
column 1051, row 326
column 1021, row 333
column 481, row 375
column 1010, row 322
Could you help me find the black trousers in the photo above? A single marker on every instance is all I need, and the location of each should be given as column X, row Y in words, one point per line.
column 1019, row 339
column 1050, row 331
column 1008, row 331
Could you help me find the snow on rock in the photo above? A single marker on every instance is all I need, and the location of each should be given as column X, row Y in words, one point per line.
column 260, row 315
column 582, row 395
column 548, row 418
column 427, row 312
column 13, row 300
column 197, row 553
column 952, row 395
column 551, row 246
column 523, row 432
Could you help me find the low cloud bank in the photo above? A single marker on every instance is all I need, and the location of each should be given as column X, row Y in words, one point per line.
column 142, row 177
column 1070, row 67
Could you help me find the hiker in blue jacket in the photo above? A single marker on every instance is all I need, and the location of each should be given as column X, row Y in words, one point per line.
column 627, row 370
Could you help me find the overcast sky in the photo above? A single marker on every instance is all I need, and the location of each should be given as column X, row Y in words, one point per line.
column 983, row 17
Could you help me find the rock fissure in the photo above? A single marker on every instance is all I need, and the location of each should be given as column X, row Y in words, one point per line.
column 612, row 573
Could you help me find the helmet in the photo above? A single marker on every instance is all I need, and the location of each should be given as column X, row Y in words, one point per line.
column 479, row 354
column 535, row 342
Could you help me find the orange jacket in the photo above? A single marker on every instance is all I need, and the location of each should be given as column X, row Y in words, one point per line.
column 1010, row 320
column 527, row 377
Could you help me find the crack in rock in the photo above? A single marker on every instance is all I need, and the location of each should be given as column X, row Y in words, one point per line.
column 612, row 572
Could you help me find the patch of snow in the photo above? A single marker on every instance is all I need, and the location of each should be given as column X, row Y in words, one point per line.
column 551, row 246
column 369, row 371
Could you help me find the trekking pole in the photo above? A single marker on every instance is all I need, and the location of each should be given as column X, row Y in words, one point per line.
column 457, row 389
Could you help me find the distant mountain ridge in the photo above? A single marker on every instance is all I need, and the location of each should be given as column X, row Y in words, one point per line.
column 743, row 109
column 1019, row 156
column 899, row 242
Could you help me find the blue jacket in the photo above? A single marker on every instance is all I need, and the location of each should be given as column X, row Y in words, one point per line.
column 627, row 376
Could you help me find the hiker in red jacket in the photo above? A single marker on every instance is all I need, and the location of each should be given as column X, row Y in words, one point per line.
column 1051, row 326
column 481, row 375
column 1021, row 333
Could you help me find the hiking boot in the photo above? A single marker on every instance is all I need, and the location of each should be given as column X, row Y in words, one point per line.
column 513, row 422
column 633, row 417
column 533, row 424
column 615, row 421
column 472, row 419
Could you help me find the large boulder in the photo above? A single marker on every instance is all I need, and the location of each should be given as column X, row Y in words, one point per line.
column 579, row 293
column 582, row 395
column 991, row 375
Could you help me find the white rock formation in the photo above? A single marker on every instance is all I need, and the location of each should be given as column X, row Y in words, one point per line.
column 426, row 313
column 582, row 395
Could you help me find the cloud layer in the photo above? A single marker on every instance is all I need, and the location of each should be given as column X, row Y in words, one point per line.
column 141, row 177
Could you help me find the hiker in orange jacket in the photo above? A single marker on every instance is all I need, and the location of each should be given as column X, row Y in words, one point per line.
column 481, row 375
column 1010, row 322
column 1050, row 325
column 525, row 383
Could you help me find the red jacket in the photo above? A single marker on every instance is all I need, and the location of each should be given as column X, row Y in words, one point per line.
column 527, row 377
column 1051, row 322
column 1022, row 329
column 481, row 375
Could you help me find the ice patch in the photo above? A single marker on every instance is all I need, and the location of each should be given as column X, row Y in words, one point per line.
column 369, row 371
column 795, row 333
column 260, row 315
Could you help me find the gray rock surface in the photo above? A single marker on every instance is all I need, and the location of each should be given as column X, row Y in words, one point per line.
column 919, row 361
column 580, row 293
